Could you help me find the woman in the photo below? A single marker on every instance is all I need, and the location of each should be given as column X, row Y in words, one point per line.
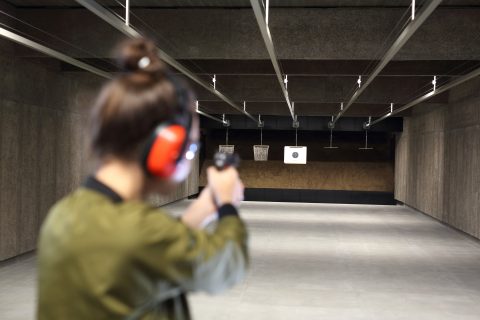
column 104, row 253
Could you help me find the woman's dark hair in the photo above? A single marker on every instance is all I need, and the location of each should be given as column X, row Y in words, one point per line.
column 130, row 106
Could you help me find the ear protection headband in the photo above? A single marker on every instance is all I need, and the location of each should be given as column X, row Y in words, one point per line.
column 168, row 143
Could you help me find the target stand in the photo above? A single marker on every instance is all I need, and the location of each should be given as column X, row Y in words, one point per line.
column 260, row 152
column 226, row 148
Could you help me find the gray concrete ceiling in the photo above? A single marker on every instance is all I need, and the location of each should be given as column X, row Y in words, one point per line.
column 322, row 50
column 242, row 3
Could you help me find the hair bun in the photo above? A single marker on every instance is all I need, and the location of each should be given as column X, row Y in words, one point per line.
column 140, row 55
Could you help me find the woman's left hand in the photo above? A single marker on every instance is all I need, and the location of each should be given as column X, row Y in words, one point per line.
column 199, row 210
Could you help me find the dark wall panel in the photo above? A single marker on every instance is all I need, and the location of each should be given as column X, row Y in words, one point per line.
column 462, row 197
column 47, row 161
column 28, row 178
column 420, row 160
column 401, row 167
column 9, row 186
column 437, row 169
column 43, row 114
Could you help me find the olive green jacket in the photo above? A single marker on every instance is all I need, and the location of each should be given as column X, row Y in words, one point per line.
column 99, row 259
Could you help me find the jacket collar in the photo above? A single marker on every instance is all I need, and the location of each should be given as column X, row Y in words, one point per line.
column 93, row 184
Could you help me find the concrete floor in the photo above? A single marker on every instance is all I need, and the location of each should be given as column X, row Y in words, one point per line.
column 324, row 261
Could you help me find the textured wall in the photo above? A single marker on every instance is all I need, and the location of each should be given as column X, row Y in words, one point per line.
column 345, row 168
column 42, row 154
column 42, row 113
column 401, row 164
column 352, row 176
column 420, row 161
column 462, row 187
column 437, row 167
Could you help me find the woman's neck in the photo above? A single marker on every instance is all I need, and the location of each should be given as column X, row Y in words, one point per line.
column 125, row 178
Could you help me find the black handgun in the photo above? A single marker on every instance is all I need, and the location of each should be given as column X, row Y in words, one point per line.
column 223, row 160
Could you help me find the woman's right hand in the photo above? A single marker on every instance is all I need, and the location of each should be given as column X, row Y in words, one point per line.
column 225, row 185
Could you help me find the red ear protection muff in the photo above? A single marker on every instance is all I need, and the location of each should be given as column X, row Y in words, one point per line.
column 168, row 143
column 165, row 148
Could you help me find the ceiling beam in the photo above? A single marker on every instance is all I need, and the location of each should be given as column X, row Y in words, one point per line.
column 77, row 63
column 118, row 24
column 318, row 124
column 224, row 122
column 267, row 38
column 302, row 68
column 409, row 30
column 475, row 73
column 52, row 53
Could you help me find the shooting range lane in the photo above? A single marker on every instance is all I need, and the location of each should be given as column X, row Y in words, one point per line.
column 325, row 261
column 383, row 96
column 329, row 261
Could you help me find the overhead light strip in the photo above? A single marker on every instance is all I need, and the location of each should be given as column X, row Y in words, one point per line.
column 208, row 115
column 267, row 38
column 409, row 30
column 448, row 86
